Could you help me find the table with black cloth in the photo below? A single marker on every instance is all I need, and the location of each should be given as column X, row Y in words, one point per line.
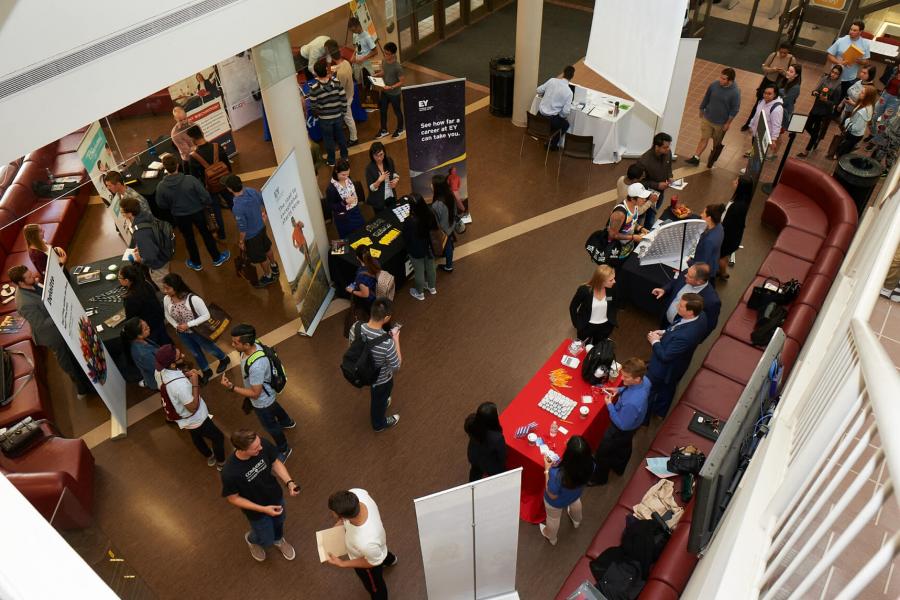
column 147, row 187
column 394, row 258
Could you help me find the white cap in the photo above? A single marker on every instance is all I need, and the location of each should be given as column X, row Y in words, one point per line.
column 637, row 190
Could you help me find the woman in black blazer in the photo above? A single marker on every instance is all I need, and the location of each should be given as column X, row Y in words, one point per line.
column 381, row 178
column 487, row 448
column 734, row 221
column 593, row 308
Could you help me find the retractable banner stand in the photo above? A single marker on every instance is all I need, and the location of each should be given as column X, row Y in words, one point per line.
column 241, row 90
column 361, row 11
column 436, row 132
column 201, row 98
column 291, row 225
column 97, row 158
column 84, row 341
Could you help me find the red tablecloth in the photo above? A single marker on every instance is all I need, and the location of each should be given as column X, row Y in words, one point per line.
column 524, row 409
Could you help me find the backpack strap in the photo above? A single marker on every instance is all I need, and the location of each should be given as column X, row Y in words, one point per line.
column 215, row 153
column 190, row 301
column 196, row 156
column 162, row 388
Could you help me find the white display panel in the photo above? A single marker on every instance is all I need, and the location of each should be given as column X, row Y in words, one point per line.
column 445, row 535
column 496, row 533
column 671, row 243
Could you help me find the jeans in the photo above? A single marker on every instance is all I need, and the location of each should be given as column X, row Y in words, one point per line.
column 887, row 101
column 448, row 252
column 373, row 578
column 551, row 525
column 333, row 133
column 557, row 123
column 378, row 406
column 273, row 419
column 423, row 273
column 212, row 433
column 196, row 344
column 186, row 224
column 395, row 102
column 267, row 530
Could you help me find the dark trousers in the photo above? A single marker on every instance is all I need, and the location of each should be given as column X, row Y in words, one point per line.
column 274, row 419
column 209, row 431
column 475, row 473
column 395, row 102
column 848, row 143
column 333, row 135
column 68, row 363
column 373, row 578
column 661, row 396
column 557, row 124
column 218, row 199
column 614, row 452
column 377, row 408
column 186, row 225
column 816, row 126
column 593, row 333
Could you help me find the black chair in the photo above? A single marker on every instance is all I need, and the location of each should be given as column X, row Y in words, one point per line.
column 578, row 146
column 539, row 129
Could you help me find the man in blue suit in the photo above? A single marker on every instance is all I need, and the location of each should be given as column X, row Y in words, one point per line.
column 695, row 280
column 672, row 351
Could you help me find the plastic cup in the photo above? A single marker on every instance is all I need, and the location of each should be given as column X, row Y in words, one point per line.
column 584, row 411
column 532, row 438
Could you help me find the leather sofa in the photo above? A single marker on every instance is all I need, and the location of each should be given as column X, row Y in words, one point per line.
column 816, row 220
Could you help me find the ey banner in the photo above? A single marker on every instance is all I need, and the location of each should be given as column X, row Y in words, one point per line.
column 436, row 133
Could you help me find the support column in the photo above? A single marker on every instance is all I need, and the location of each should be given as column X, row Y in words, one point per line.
column 529, row 14
column 277, row 76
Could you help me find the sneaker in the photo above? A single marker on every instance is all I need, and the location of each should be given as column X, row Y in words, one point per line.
column 393, row 564
column 223, row 365
column 81, row 396
column 543, row 527
column 446, row 269
column 886, row 293
column 381, row 134
column 275, row 270
column 287, row 550
column 286, row 455
column 399, row 132
column 694, row 160
column 432, row 291
column 291, row 426
column 223, row 257
column 352, row 142
column 265, row 281
column 575, row 523
column 416, row 294
column 142, row 384
column 256, row 551
column 193, row 265
column 220, row 466
column 895, row 295
column 206, row 376
column 391, row 421
column 330, row 164
column 211, row 460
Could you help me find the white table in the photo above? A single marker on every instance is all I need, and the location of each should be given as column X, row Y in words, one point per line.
column 601, row 124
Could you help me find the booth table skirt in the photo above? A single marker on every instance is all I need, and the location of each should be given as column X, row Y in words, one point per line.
column 524, row 409
column 607, row 147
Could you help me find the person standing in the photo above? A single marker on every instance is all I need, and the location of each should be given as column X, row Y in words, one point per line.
column 556, row 102
column 343, row 196
column 709, row 246
column 344, row 73
column 657, row 165
column 773, row 108
column 443, row 205
column 827, row 94
column 248, row 482
column 364, row 537
column 840, row 46
column 487, row 447
column 44, row 332
column 115, row 184
column 857, row 123
column 382, row 178
column 790, row 91
column 186, row 198
column 417, row 230
column 386, row 358
column 734, row 220
column 250, row 214
column 695, row 280
column 890, row 97
column 634, row 174
column 719, row 107
column 622, row 226
column 210, row 164
column 564, row 485
column 392, row 74
column 593, row 307
column 366, row 50
column 259, row 373
column 328, row 103
column 180, row 138
column 140, row 300
column 136, row 340
column 144, row 241
column 774, row 72
column 626, row 416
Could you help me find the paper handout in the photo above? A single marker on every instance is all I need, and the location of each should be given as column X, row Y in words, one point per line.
column 331, row 541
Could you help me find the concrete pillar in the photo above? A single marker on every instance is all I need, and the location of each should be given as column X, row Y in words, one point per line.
column 529, row 15
column 277, row 76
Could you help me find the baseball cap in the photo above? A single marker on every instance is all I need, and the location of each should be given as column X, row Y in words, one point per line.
column 637, row 190
column 165, row 356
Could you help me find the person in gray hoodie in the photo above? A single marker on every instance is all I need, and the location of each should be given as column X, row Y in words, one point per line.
column 185, row 197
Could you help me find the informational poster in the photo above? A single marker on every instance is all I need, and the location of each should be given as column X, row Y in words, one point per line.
column 83, row 339
column 289, row 218
column 201, row 98
column 241, row 89
column 830, row 4
column 97, row 158
column 359, row 8
column 436, row 133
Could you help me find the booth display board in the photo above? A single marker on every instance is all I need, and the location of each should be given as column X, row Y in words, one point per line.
column 97, row 158
column 361, row 11
column 241, row 90
column 436, row 132
column 84, row 341
column 201, row 98
column 469, row 536
column 671, row 243
column 289, row 218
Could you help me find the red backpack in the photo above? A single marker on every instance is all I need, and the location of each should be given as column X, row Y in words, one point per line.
column 169, row 408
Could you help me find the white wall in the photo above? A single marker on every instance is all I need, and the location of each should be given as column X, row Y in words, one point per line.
column 33, row 32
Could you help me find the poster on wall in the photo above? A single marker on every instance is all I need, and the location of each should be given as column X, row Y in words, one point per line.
column 240, row 89
column 359, row 8
column 436, row 133
column 83, row 339
column 97, row 158
column 830, row 4
column 304, row 268
column 201, row 98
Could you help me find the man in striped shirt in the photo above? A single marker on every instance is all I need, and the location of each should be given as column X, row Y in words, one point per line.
column 329, row 103
column 385, row 356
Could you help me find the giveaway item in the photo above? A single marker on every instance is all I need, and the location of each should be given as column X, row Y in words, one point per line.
column 525, row 430
column 17, row 439
column 92, row 350
column 557, row 405
column 218, row 321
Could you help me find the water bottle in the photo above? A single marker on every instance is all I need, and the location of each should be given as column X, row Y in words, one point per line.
column 553, row 428
column 616, row 111
column 151, row 150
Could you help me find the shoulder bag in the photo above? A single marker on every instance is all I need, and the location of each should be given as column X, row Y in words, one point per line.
column 218, row 321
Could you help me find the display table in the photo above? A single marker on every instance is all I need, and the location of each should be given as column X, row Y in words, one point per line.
column 524, row 409
column 603, row 126
column 147, row 187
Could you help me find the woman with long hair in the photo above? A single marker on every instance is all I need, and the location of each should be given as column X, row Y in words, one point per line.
column 857, row 123
column 142, row 350
column 381, row 177
column 487, row 448
column 593, row 307
column 734, row 221
column 38, row 248
column 443, row 204
column 866, row 79
column 185, row 310
column 790, row 91
column 343, row 196
column 362, row 289
column 417, row 230
column 140, row 301
column 827, row 94
column 564, row 485
column 709, row 246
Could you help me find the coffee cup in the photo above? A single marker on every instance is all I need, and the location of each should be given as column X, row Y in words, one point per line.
column 584, row 411
column 532, row 438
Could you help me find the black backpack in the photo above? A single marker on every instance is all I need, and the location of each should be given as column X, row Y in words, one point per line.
column 618, row 575
column 277, row 378
column 601, row 356
column 770, row 318
column 164, row 234
column 357, row 365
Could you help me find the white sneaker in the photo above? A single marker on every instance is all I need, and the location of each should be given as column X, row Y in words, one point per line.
column 886, row 293
column 895, row 295
column 432, row 291
column 416, row 294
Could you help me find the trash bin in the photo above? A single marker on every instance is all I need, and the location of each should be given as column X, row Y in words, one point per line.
column 858, row 175
column 502, row 77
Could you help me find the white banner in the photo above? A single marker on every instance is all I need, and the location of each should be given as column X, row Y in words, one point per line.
column 291, row 225
column 97, row 158
column 240, row 87
column 84, row 341
column 201, row 98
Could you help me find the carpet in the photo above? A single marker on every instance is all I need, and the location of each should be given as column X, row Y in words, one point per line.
column 564, row 40
column 721, row 44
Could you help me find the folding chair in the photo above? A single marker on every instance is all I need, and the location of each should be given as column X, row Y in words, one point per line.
column 578, row 146
column 539, row 129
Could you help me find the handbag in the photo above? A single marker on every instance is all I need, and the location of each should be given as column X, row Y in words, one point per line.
column 7, row 382
column 601, row 249
column 215, row 326
column 246, row 269
column 16, row 440
column 438, row 241
column 764, row 293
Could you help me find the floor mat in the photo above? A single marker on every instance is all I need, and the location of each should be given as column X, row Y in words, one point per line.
column 722, row 45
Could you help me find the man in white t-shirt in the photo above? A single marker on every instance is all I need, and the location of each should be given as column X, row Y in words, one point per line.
column 364, row 537
column 183, row 391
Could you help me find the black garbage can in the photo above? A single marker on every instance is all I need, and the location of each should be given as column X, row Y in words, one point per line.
column 502, row 76
column 858, row 175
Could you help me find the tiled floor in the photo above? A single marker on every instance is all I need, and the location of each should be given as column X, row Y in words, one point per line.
column 885, row 322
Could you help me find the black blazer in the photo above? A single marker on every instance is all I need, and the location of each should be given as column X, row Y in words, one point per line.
column 376, row 197
column 712, row 304
column 733, row 224
column 488, row 457
column 580, row 306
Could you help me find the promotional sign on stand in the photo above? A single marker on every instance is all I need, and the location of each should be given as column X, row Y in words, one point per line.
column 361, row 11
column 436, row 132
column 83, row 339
column 295, row 240
column 241, row 89
column 201, row 98
column 97, row 158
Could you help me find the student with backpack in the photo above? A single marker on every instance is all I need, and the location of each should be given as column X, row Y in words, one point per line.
column 209, row 163
column 372, row 359
column 264, row 377
column 152, row 239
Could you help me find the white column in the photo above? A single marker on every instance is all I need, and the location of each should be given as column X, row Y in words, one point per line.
column 529, row 15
